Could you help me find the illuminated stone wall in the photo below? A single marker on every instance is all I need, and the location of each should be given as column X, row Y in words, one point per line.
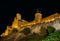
column 18, row 23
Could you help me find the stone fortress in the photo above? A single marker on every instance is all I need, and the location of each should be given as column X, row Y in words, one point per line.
column 19, row 23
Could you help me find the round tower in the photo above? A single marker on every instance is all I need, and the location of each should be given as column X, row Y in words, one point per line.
column 38, row 16
column 18, row 16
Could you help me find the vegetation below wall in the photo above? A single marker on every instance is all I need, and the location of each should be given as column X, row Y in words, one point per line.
column 55, row 36
column 49, row 34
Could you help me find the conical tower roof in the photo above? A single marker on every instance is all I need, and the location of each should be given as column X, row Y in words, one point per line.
column 38, row 11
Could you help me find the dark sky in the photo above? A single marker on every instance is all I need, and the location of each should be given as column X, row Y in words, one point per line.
column 27, row 9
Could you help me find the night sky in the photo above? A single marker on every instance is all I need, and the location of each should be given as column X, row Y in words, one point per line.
column 27, row 9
